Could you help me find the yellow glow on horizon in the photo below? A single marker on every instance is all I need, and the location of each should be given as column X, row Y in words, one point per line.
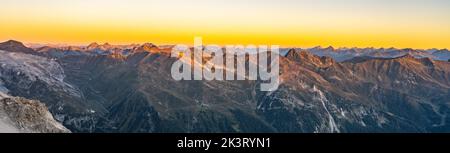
column 289, row 23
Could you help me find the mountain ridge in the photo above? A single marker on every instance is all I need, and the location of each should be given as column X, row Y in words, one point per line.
column 135, row 93
column 338, row 54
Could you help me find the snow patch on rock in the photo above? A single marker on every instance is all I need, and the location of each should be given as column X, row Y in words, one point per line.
column 35, row 68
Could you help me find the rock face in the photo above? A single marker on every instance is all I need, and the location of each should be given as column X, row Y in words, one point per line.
column 401, row 94
column 21, row 72
column 20, row 115
column 134, row 92
column 39, row 78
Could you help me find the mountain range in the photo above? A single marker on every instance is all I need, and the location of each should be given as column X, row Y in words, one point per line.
column 343, row 54
column 128, row 88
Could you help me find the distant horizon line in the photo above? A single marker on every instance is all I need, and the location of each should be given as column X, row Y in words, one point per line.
column 34, row 44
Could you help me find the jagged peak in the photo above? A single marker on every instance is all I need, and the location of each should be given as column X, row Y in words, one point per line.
column 93, row 44
column 406, row 56
column 149, row 45
column 295, row 53
column 15, row 46
column 13, row 42
column 391, row 48
column 317, row 47
column 45, row 48
column 408, row 49
column 330, row 48
column 290, row 52
column 369, row 48
column 308, row 57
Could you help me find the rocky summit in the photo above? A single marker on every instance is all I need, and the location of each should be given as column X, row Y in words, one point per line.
column 27, row 116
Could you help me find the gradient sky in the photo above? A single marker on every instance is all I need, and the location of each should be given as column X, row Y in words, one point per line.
column 302, row 23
